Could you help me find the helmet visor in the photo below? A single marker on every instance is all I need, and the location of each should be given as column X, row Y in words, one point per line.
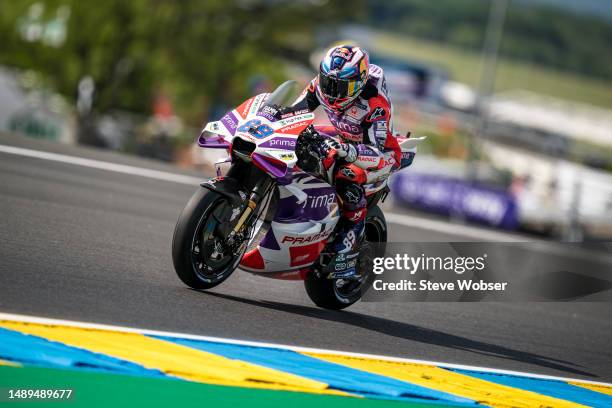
column 335, row 88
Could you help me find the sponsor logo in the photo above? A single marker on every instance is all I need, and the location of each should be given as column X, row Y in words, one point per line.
column 284, row 142
column 244, row 108
column 291, row 120
column 256, row 102
column 352, row 120
column 377, row 113
column 268, row 112
column 286, row 156
column 246, row 136
column 229, row 121
column 352, row 197
column 266, row 115
column 380, row 135
column 357, row 216
column 292, row 127
column 344, row 126
column 322, row 201
column 354, row 112
column 269, row 109
column 345, row 265
column 304, row 240
column 351, row 137
column 301, row 258
column 370, row 159
column 347, row 172
column 366, row 151
column 390, row 162
column 294, row 113
column 343, row 53
column 380, row 125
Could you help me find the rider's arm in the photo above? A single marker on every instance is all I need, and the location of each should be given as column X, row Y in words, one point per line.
column 380, row 150
column 308, row 99
column 377, row 131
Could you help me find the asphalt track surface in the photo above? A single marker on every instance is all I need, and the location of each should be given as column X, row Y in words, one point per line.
column 91, row 245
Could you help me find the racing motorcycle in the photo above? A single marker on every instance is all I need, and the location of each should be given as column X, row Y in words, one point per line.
column 267, row 215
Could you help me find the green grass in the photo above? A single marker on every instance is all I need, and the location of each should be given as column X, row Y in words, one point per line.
column 94, row 389
column 464, row 67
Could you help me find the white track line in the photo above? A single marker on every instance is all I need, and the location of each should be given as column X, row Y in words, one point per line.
column 479, row 234
column 85, row 325
column 102, row 165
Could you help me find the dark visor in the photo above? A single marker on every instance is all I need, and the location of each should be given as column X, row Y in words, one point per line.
column 336, row 88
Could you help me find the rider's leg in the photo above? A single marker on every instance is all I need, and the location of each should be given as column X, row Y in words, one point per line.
column 349, row 180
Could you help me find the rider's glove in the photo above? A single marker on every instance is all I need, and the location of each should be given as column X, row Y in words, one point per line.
column 311, row 133
column 343, row 150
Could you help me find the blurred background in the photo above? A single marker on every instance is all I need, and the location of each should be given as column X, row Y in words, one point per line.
column 515, row 96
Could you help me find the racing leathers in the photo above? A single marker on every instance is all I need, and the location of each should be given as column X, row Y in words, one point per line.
column 366, row 150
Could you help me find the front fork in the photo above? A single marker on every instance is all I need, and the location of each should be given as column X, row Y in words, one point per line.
column 261, row 189
column 245, row 186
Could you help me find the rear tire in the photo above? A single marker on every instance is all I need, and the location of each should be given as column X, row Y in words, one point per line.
column 197, row 215
column 325, row 292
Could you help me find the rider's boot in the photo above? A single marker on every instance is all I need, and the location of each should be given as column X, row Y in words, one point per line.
column 346, row 248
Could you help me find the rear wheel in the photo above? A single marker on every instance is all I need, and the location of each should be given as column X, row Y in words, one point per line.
column 340, row 293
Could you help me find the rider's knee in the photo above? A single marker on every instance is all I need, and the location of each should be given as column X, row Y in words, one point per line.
column 352, row 196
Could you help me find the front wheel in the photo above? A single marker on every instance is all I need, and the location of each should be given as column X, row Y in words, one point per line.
column 200, row 259
column 338, row 294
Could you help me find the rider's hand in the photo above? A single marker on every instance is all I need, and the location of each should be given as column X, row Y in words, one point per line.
column 311, row 133
column 343, row 150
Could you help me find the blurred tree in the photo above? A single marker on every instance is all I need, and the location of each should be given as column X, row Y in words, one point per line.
column 198, row 52
column 544, row 35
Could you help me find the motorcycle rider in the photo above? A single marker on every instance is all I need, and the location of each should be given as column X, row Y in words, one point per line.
column 353, row 93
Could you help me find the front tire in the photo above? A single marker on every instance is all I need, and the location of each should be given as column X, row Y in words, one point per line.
column 325, row 292
column 191, row 248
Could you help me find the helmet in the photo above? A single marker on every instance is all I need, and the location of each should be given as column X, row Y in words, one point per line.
column 342, row 75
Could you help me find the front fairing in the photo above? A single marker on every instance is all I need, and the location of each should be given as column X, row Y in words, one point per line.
column 272, row 142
